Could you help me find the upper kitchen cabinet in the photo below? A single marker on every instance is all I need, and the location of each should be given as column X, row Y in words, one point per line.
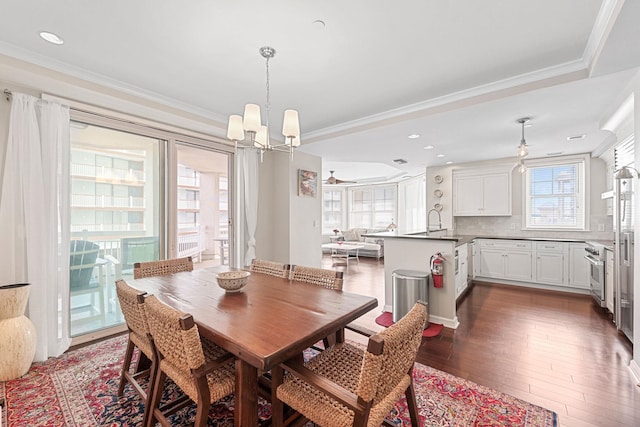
column 482, row 192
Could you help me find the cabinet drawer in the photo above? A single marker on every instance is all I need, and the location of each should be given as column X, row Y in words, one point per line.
column 505, row 244
column 550, row 246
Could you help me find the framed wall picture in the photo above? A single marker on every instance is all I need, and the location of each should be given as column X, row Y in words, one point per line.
column 307, row 183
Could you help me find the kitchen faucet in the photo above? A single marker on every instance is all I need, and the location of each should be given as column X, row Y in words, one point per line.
column 439, row 219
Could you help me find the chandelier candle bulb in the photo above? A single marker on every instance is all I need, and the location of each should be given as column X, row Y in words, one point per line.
column 261, row 138
column 290, row 125
column 252, row 120
column 235, row 132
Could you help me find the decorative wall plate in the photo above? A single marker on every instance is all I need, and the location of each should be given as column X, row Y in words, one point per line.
column 438, row 193
column 438, row 179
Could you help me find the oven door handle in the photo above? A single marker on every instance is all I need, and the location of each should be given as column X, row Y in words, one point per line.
column 593, row 261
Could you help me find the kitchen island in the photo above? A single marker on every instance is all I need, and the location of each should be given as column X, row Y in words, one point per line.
column 413, row 251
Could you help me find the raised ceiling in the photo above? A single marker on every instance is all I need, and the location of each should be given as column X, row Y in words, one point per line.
column 364, row 75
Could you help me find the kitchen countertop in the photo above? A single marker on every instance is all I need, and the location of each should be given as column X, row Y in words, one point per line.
column 462, row 239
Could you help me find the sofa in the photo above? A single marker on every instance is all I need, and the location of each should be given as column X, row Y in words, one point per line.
column 373, row 246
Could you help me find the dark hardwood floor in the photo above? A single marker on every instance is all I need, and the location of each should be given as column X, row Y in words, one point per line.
column 553, row 349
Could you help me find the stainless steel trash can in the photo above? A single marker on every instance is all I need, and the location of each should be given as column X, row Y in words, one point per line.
column 408, row 287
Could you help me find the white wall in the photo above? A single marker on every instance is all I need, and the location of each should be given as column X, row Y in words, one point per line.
column 289, row 225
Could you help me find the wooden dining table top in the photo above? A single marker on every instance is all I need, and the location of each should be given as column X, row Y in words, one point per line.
column 269, row 321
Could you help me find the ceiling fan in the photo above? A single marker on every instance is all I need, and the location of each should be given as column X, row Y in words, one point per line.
column 333, row 180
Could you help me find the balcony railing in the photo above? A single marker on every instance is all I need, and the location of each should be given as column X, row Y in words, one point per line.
column 189, row 181
column 188, row 204
column 107, row 173
column 90, row 201
column 77, row 228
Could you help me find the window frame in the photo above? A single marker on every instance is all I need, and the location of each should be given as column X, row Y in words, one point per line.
column 583, row 179
column 342, row 211
column 372, row 212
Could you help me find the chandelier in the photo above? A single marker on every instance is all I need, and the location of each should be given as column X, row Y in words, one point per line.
column 257, row 133
column 523, row 149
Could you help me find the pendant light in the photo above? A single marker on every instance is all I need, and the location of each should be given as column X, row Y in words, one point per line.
column 251, row 123
column 523, row 149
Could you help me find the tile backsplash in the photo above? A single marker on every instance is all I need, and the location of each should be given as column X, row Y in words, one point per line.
column 511, row 226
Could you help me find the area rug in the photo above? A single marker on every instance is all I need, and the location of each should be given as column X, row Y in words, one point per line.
column 79, row 389
column 386, row 320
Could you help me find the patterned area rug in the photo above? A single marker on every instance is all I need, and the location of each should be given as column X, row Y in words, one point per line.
column 79, row 389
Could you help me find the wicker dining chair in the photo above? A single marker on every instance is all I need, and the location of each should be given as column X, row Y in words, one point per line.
column 270, row 267
column 203, row 371
column 329, row 279
column 348, row 386
column 132, row 305
column 162, row 267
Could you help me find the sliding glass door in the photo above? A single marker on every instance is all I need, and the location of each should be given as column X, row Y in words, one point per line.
column 139, row 193
column 202, row 207
column 115, row 218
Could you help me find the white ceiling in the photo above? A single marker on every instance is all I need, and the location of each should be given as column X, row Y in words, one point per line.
column 458, row 72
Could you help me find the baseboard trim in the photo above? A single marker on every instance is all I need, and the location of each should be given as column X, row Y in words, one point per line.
column 447, row 323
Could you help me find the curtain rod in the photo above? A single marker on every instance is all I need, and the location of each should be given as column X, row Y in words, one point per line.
column 7, row 94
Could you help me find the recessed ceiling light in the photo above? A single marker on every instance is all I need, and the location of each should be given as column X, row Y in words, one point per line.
column 414, row 136
column 440, row 155
column 51, row 38
column 429, row 147
column 449, row 162
column 576, row 137
column 319, row 24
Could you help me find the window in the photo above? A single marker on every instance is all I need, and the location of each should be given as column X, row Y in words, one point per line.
column 556, row 194
column 332, row 210
column 373, row 207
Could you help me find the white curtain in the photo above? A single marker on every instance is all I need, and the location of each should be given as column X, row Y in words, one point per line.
column 34, row 216
column 248, row 161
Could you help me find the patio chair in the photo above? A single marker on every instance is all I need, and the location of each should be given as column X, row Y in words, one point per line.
column 137, row 249
column 346, row 385
column 132, row 304
column 83, row 257
column 200, row 368
column 270, row 267
column 162, row 267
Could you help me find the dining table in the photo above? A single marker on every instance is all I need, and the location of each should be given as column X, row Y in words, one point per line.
column 269, row 321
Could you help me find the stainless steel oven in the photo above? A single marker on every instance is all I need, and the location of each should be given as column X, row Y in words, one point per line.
column 595, row 255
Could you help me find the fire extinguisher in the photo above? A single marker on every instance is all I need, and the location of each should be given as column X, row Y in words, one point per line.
column 437, row 269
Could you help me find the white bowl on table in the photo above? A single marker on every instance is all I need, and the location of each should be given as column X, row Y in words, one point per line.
column 233, row 281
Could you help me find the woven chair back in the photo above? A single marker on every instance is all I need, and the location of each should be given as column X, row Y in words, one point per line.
column 329, row 279
column 382, row 373
column 133, row 308
column 181, row 348
column 162, row 268
column 270, row 267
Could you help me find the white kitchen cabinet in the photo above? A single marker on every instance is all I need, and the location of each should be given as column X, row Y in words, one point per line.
column 462, row 271
column 578, row 267
column 608, row 282
column 481, row 193
column 505, row 259
column 550, row 263
column 473, row 261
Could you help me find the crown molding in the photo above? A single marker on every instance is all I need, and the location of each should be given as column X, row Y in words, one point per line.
column 545, row 77
column 105, row 81
column 605, row 21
